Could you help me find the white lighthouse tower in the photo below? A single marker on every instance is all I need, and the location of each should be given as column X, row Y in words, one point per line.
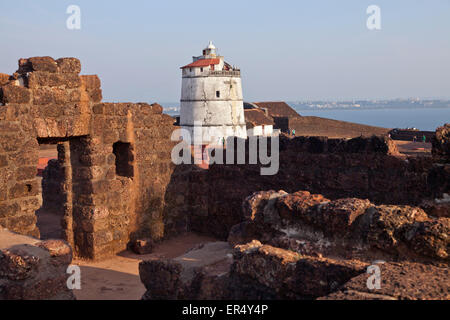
column 211, row 97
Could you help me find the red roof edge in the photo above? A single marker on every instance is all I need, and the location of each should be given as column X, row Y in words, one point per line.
column 202, row 63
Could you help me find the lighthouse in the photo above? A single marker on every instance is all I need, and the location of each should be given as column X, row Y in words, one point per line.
column 211, row 105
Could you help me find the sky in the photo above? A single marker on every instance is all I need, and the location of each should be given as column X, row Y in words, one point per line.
column 286, row 50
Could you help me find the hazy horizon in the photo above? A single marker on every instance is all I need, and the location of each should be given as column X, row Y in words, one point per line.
column 287, row 50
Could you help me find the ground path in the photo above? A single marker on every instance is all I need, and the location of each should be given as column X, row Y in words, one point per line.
column 118, row 278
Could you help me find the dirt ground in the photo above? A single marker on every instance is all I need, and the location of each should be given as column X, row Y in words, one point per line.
column 118, row 278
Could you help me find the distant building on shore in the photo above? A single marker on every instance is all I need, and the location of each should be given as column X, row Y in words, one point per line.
column 211, row 96
column 280, row 115
column 258, row 123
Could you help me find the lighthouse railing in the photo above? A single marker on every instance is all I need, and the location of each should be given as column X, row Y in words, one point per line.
column 221, row 73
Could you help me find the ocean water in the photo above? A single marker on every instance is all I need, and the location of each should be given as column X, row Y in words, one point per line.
column 421, row 118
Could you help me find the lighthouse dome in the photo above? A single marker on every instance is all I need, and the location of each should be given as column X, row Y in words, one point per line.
column 210, row 50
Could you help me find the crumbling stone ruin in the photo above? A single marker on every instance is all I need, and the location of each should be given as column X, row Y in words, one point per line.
column 31, row 269
column 351, row 227
column 366, row 168
column 115, row 187
column 103, row 150
column 304, row 246
column 299, row 245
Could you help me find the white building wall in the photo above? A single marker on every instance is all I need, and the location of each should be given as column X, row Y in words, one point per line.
column 221, row 116
column 260, row 131
column 268, row 130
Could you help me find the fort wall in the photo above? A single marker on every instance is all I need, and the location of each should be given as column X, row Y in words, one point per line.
column 367, row 168
column 103, row 150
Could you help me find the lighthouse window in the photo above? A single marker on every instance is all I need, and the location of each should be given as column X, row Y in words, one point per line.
column 201, row 69
column 190, row 69
column 218, row 94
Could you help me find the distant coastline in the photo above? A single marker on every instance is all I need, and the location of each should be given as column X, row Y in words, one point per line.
column 421, row 118
column 370, row 104
column 396, row 113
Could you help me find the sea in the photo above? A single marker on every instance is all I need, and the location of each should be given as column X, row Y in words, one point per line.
column 428, row 118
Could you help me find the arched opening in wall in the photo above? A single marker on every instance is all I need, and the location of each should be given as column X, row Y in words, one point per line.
column 124, row 159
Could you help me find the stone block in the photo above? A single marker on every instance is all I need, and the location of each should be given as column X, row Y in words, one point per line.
column 3, row 160
column 11, row 93
column 47, row 64
column 9, row 210
column 95, row 95
column 59, row 250
column 90, row 82
column 26, row 173
column 23, row 189
column 43, row 95
column 99, row 238
column 69, row 65
column 22, row 223
column 110, row 136
column 156, row 108
column 98, row 108
column 48, row 111
column 142, row 246
column 4, row 79
column 46, row 79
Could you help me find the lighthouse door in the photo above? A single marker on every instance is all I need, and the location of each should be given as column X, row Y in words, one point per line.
column 212, row 67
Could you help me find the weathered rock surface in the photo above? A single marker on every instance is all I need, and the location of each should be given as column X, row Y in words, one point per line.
column 437, row 207
column 189, row 276
column 385, row 223
column 349, row 228
column 258, row 271
column 441, row 142
column 33, row 270
column 304, row 246
column 296, row 206
column 253, row 271
column 142, row 246
column 289, row 275
column 399, row 281
column 429, row 238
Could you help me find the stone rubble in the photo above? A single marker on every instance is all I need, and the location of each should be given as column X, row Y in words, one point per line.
column 33, row 270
